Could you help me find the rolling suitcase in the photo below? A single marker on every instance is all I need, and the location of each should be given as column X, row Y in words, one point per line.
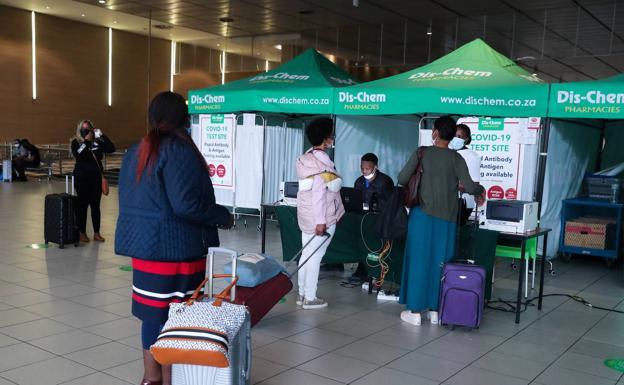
column 462, row 295
column 462, row 291
column 262, row 298
column 60, row 218
column 239, row 371
column 7, row 170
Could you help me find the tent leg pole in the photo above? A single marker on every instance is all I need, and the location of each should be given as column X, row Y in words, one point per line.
column 543, row 157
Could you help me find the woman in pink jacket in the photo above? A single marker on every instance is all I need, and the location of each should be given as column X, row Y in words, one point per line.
column 319, row 207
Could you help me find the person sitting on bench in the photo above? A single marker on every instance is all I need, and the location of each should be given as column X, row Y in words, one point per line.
column 27, row 156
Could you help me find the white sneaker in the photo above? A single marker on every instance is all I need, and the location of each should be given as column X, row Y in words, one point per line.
column 315, row 303
column 411, row 318
column 299, row 300
column 433, row 317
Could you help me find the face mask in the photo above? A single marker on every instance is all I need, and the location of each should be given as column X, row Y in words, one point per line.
column 84, row 132
column 371, row 175
column 456, row 144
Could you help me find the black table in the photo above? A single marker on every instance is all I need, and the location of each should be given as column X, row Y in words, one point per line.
column 523, row 238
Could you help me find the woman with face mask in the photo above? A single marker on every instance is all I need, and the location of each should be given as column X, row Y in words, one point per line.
column 88, row 147
column 460, row 144
column 319, row 207
column 433, row 223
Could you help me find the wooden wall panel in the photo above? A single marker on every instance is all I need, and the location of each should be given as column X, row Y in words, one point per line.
column 72, row 78
column 15, row 73
column 72, row 68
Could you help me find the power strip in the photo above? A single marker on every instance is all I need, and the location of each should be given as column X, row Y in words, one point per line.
column 382, row 296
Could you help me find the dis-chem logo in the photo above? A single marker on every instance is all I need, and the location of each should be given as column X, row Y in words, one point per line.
column 279, row 77
column 361, row 100
column 450, row 73
column 589, row 97
column 207, row 99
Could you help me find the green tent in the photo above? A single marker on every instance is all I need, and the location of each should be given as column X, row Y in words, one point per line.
column 595, row 99
column 304, row 85
column 472, row 80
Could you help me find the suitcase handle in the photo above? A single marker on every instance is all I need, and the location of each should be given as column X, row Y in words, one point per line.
column 247, row 367
column 67, row 185
column 326, row 235
column 210, row 284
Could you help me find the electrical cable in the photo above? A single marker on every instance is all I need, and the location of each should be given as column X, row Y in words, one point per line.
column 510, row 305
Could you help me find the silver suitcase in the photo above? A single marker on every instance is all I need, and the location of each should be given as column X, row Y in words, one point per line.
column 239, row 371
column 7, row 170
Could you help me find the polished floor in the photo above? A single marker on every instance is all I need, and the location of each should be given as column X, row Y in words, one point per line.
column 65, row 319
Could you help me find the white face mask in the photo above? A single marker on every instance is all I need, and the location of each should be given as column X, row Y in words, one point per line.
column 456, row 144
column 371, row 175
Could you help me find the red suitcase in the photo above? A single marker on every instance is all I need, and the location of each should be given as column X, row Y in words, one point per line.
column 260, row 299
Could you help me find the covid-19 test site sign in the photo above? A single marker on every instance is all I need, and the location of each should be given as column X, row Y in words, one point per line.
column 217, row 147
column 501, row 143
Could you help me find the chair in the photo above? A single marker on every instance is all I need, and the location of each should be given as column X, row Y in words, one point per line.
column 516, row 253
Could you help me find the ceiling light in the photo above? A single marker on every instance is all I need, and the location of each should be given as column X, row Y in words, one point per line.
column 102, row 1
column 218, row 45
column 114, row 21
column 48, row 7
column 429, row 31
column 278, row 46
column 83, row 15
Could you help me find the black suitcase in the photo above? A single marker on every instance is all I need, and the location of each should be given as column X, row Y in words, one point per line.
column 60, row 219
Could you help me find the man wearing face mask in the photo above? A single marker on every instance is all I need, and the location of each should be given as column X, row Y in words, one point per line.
column 459, row 143
column 88, row 147
column 26, row 156
column 375, row 186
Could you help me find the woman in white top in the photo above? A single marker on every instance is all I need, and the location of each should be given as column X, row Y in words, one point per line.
column 462, row 139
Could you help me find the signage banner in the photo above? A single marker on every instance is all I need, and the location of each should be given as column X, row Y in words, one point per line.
column 217, row 147
column 499, row 142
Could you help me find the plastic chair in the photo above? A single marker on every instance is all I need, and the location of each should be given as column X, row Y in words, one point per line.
column 516, row 253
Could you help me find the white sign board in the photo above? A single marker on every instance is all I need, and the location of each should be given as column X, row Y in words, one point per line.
column 500, row 143
column 217, row 147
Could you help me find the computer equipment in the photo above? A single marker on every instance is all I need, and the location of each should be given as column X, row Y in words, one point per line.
column 288, row 193
column 351, row 200
column 511, row 216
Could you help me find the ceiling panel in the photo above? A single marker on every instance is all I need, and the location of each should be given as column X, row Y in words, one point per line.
column 558, row 37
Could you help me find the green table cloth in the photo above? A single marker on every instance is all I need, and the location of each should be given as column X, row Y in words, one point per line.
column 356, row 236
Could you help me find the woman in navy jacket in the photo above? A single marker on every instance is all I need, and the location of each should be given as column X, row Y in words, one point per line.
column 168, row 219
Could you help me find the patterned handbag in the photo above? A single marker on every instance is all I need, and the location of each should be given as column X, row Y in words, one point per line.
column 200, row 333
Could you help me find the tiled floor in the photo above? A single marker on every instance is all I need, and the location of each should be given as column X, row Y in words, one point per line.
column 65, row 318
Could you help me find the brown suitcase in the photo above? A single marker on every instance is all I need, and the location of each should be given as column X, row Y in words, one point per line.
column 262, row 298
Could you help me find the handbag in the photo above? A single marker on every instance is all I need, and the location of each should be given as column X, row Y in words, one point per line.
column 412, row 190
column 105, row 189
column 200, row 332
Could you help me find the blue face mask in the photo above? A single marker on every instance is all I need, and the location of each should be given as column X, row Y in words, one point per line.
column 456, row 144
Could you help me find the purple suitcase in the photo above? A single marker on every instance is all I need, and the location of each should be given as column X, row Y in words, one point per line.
column 462, row 295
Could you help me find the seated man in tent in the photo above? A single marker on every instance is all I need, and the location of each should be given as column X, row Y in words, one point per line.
column 376, row 187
